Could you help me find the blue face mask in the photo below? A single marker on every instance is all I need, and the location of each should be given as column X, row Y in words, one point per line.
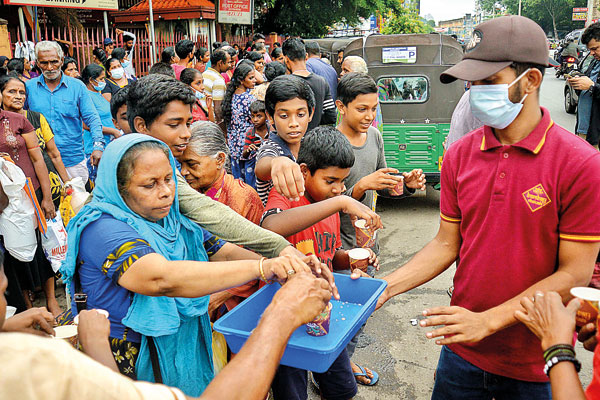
column 200, row 95
column 100, row 87
column 490, row 104
column 125, row 63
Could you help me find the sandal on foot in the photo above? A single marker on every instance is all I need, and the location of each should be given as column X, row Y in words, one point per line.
column 363, row 372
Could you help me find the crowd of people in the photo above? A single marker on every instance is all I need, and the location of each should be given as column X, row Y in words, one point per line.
column 258, row 164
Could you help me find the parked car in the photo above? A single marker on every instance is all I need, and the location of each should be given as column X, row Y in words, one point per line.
column 572, row 95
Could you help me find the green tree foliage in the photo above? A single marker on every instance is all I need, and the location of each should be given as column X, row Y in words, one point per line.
column 553, row 16
column 312, row 18
column 405, row 21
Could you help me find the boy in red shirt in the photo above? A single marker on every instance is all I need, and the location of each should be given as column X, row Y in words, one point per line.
column 312, row 225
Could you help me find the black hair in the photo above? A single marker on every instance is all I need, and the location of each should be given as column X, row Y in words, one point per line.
column 167, row 54
column 188, row 75
column 100, row 54
column 276, row 44
column 254, row 56
column 276, row 52
column 288, row 87
column 231, row 51
column 258, row 46
column 216, row 56
column 184, row 47
column 257, row 36
column 68, row 60
column 108, row 62
column 162, row 68
column 520, row 68
column 119, row 53
column 150, row 95
column 17, row 65
column 127, row 38
column 294, row 49
column 4, row 79
column 91, row 71
column 3, row 59
column 257, row 106
column 591, row 32
column 340, row 51
column 240, row 73
column 324, row 147
column 313, row 48
column 216, row 45
column 200, row 51
column 273, row 70
column 354, row 84
column 118, row 100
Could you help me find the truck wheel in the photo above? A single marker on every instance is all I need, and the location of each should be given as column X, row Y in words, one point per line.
column 569, row 104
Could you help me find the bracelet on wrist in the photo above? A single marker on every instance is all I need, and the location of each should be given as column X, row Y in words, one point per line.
column 558, row 348
column 560, row 358
column 261, row 271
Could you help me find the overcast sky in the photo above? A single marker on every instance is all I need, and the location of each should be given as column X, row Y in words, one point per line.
column 447, row 9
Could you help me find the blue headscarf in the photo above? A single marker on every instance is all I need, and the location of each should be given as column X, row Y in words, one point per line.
column 185, row 361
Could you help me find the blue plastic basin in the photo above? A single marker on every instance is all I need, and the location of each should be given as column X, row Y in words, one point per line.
column 357, row 301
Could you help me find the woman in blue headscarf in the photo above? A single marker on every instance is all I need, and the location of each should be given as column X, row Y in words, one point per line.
column 135, row 255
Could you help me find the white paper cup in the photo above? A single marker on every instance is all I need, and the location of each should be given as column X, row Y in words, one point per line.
column 67, row 333
column 10, row 311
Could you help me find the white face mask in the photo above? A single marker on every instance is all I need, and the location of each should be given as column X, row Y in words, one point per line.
column 491, row 105
column 117, row 73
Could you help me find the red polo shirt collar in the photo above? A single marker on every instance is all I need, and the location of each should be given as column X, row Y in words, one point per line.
column 533, row 142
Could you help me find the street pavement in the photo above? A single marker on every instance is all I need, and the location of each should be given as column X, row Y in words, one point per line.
column 404, row 358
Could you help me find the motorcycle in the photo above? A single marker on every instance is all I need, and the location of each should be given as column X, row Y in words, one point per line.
column 567, row 65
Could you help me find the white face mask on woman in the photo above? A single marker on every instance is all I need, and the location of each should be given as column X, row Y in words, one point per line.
column 117, row 73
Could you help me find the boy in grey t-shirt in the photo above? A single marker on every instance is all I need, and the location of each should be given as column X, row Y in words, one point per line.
column 357, row 103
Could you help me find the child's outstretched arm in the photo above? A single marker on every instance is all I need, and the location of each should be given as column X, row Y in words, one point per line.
column 285, row 174
column 294, row 220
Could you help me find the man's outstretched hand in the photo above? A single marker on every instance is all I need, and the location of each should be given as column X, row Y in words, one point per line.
column 301, row 298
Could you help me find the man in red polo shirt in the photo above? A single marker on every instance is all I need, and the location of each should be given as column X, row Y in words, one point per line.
column 518, row 207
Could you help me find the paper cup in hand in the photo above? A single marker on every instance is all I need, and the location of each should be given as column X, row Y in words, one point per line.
column 365, row 237
column 359, row 258
column 398, row 190
column 103, row 312
column 320, row 325
column 67, row 333
column 588, row 312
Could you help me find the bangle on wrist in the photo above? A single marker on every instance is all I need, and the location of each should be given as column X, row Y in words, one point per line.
column 261, row 271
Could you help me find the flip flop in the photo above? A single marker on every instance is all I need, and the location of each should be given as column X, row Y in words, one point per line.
column 363, row 372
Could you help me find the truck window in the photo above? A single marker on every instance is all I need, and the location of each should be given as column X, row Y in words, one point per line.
column 403, row 89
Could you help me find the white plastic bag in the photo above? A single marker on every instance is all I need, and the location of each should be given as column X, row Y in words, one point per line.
column 17, row 220
column 54, row 242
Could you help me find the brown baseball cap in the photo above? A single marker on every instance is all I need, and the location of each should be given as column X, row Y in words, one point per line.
column 496, row 44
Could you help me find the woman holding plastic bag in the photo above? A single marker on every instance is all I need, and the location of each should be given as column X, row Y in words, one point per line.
column 14, row 95
column 19, row 143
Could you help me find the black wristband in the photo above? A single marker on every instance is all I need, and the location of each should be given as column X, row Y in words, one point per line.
column 560, row 358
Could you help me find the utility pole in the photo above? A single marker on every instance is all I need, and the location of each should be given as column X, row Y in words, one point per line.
column 519, row 7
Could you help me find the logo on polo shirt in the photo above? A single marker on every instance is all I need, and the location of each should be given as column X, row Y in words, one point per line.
column 536, row 198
